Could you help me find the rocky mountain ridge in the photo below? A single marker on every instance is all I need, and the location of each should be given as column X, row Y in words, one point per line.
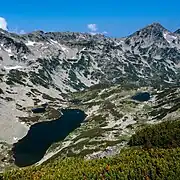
column 42, row 67
column 66, row 69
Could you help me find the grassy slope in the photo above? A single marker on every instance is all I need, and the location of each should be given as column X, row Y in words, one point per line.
column 113, row 117
column 164, row 135
column 131, row 163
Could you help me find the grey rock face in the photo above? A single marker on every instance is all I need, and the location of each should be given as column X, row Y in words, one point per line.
column 40, row 67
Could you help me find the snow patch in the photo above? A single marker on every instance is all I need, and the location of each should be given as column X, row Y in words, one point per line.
column 169, row 37
column 61, row 46
column 15, row 138
column 13, row 67
column 64, row 48
column 30, row 43
column 9, row 51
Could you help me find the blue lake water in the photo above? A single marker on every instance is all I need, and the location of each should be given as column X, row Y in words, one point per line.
column 32, row 148
column 142, row 96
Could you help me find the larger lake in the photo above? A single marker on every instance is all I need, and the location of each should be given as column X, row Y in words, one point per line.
column 32, row 148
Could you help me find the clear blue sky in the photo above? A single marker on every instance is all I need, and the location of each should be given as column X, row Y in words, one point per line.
column 117, row 17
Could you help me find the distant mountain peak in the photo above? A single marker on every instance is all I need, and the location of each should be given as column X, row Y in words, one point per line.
column 38, row 32
column 156, row 25
column 154, row 32
column 154, row 28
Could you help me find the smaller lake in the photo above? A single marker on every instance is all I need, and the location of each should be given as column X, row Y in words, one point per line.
column 141, row 96
column 32, row 148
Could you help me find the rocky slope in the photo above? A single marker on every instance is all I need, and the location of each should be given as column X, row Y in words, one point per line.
column 45, row 67
column 113, row 116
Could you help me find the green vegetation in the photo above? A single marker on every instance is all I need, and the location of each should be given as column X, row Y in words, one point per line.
column 85, row 95
column 52, row 113
column 29, row 119
column 99, row 120
column 96, row 132
column 132, row 163
column 16, row 76
column 157, row 156
column 100, row 86
column 155, row 164
column 164, row 135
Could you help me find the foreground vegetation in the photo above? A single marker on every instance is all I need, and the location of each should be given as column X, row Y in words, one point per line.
column 164, row 135
column 130, row 164
column 160, row 159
